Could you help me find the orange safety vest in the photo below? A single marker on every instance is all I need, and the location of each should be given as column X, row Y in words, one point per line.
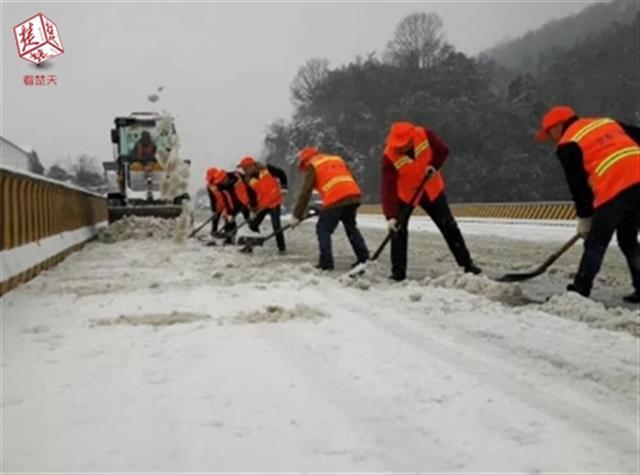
column 240, row 189
column 267, row 190
column 221, row 200
column 611, row 158
column 334, row 181
column 411, row 171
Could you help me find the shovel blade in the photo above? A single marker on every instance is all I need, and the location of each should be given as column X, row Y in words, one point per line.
column 517, row 277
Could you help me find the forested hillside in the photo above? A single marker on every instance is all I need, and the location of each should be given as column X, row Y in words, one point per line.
column 485, row 112
column 524, row 53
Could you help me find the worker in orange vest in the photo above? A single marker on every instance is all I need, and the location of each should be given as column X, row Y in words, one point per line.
column 412, row 151
column 268, row 185
column 340, row 194
column 601, row 161
column 220, row 201
column 238, row 197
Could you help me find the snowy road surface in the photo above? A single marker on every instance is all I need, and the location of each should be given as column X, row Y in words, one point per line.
column 148, row 355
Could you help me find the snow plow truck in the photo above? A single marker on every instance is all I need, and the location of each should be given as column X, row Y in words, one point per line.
column 135, row 176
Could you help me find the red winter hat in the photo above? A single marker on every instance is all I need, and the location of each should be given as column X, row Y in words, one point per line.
column 400, row 134
column 557, row 115
column 211, row 173
column 307, row 154
column 247, row 162
column 219, row 177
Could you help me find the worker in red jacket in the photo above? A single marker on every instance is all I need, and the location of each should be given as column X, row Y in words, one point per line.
column 411, row 152
column 601, row 161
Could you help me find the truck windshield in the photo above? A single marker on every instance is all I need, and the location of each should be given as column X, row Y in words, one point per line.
column 130, row 134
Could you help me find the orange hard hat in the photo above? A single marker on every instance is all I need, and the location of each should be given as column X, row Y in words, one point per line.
column 400, row 134
column 247, row 162
column 219, row 177
column 307, row 154
column 557, row 115
column 211, row 173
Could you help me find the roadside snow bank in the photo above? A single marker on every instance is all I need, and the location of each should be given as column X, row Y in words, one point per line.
column 574, row 306
column 509, row 294
column 137, row 227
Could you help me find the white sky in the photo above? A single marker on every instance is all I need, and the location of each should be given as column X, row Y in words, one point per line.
column 226, row 67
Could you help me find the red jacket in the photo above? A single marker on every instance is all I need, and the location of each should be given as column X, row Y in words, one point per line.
column 390, row 174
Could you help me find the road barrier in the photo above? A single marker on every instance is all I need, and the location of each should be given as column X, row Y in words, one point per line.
column 552, row 210
column 43, row 221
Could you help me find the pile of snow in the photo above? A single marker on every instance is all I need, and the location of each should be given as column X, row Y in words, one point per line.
column 509, row 294
column 276, row 314
column 138, row 227
column 176, row 175
column 154, row 320
column 575, row 307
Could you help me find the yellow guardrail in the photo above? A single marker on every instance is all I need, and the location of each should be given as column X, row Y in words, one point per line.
column 552, row 210
column 35, row 208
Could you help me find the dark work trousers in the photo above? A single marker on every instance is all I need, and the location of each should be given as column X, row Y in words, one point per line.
column 622, row 216
column 230, row 227
column 439, row 212
column 328, row 220
column 214, row 223
column 276, row 224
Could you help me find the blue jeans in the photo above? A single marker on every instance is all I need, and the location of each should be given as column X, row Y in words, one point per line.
column 328, row 222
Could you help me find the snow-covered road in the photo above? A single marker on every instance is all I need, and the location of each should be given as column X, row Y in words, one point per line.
column 147, row 355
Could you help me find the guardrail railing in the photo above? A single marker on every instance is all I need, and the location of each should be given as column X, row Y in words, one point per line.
column 550, row 210
column 42, row 222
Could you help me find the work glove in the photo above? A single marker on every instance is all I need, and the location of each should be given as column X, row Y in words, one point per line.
column 392, row 224
column 293, row 222
column 584, row 225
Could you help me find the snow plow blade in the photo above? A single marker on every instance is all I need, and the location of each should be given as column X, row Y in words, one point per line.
column 165, row 211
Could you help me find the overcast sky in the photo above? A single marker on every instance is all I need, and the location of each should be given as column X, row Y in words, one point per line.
column 226, row 67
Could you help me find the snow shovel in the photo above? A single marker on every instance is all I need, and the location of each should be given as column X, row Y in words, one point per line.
column 197, row 230
column 252, row 242
column 518, row 277
column 402, row 219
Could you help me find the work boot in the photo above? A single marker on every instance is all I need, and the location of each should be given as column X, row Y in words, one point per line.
column 632, row 298
column 576, row 289
column 397, row 277
column 471, row 268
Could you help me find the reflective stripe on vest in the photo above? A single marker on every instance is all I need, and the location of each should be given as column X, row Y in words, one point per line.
column 411, row 170
column 610, row 157
column 334, row 181
column 614, row 158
